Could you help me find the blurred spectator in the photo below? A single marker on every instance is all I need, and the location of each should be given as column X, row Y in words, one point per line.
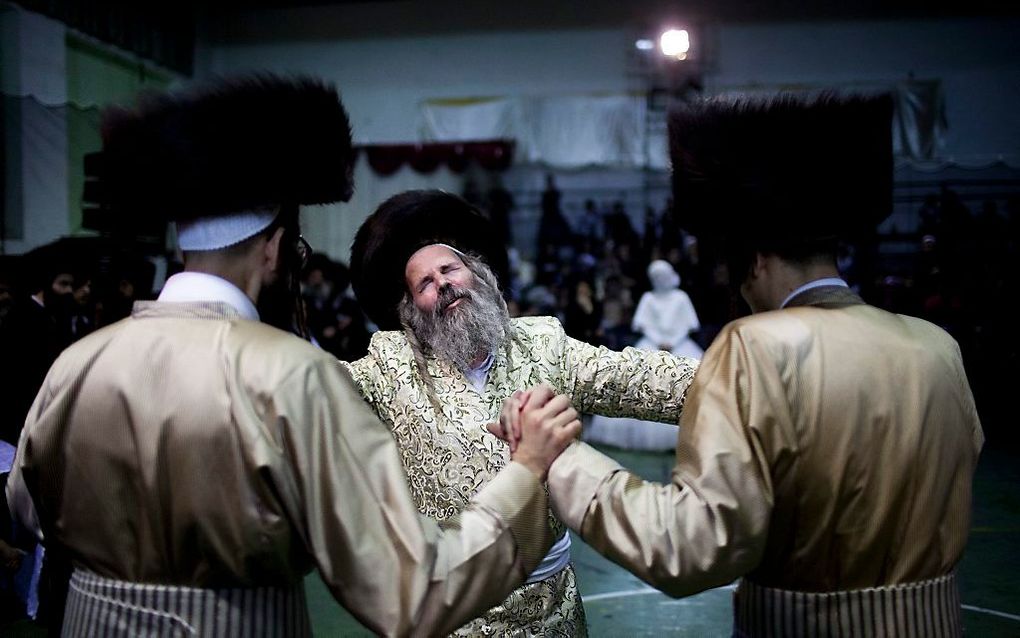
column 617, row 311
column 499, row 207
column 589, row 228
column 665, row 316
column 333, row 315
column 929, row 215
column 619, row 228
column 582, row 319
column 33, row 333
column 553, row 229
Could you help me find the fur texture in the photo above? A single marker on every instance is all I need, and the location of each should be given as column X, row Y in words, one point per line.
column 398, row 228
column 784, row 169
column 228, row 146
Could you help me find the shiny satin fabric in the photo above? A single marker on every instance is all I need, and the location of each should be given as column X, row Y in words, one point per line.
column 187, row 446
column 449, row 456
column 119, row 609
column 824, row 447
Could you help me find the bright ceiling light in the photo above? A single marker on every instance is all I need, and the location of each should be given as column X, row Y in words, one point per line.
column 675, row 43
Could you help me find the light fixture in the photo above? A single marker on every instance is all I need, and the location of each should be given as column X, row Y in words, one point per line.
column 675, row 43
column 644, row 44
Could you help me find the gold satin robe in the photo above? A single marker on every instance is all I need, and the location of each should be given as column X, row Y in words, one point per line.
column 187, row 446
column 828, row 446
column 449, row 457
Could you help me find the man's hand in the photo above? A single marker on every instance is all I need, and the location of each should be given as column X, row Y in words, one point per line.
column 10, row 557
column 546, row 425
column 509, row 426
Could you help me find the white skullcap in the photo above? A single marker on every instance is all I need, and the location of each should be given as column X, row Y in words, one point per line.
column 221, row 231
column 662, row 275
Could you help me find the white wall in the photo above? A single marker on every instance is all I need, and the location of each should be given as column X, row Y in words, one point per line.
column 33, row 64
column 384, row 80
column 978, row 62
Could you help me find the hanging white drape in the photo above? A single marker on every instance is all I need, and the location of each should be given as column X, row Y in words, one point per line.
column 565, row 132
column 330, row 228
column 576, row 131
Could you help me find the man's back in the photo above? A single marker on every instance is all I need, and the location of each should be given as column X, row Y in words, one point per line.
column 187, row 446
column 870, row 431
column 178, row 472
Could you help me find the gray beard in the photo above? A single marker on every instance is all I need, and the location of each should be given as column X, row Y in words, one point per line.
column 472, row 330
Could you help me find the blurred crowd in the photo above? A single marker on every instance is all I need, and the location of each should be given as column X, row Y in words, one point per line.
column 961, row 275
column 962, row 272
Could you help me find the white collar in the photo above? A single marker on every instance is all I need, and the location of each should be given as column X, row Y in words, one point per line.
column 199, row 286
column 817, row 283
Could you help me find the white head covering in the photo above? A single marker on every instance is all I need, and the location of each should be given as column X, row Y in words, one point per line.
column 213, row 233
column 662, row 276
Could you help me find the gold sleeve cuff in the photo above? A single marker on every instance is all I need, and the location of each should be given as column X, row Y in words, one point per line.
column 516, row 494
column 574, row 479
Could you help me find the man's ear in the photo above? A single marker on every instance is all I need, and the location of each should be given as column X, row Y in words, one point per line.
column 759, row 264
column 271, row 252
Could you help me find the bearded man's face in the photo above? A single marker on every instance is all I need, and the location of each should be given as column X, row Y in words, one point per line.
column 452, row 312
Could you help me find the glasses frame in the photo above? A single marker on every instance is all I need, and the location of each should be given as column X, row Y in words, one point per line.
column 303, row 250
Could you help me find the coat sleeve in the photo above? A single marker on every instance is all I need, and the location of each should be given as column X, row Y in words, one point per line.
column 19, row 500
column 632, row 383
column 398, row 572
column 368, row 374
column 709, row 524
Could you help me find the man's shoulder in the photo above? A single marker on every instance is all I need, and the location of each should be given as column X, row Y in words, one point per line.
column 86, row 347
column 781, row 325
column 536, row 326
column 793, row 327
column 389, row 344
column 389, row 337
column 257, row 339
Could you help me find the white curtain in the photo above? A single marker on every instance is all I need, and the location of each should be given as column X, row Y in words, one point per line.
column 330, row 228
column 566, row 132
column 471, row 120
column 577, row 131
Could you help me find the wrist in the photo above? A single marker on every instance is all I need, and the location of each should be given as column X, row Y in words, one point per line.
column 537, row 468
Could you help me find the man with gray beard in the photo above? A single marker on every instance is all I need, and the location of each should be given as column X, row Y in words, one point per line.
column 468, row 336
column 426, row 268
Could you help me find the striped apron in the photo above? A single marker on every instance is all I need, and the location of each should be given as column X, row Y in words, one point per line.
column 98, row 606
column 925, row 608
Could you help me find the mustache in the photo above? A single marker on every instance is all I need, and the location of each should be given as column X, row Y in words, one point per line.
column 447, row 295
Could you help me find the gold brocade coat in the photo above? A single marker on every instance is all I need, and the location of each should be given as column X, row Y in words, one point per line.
column 825, row 447
column 187, row 446
column 449, row 457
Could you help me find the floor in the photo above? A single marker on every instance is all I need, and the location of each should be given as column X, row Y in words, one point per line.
column 618, row 604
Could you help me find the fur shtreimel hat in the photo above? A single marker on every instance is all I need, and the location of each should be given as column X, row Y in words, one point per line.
column 220, row 158
column 398, row 228
column 782, row 171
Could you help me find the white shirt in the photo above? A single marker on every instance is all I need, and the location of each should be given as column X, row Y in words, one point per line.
column 199, row 286
column 478, row 376
column 817, row 283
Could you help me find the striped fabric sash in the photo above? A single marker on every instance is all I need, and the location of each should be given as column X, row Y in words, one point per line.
column 98, row 606
column 554, row 562
column 926, row 608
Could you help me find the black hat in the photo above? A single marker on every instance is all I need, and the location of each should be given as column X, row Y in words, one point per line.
column 398, row 228
column 231, row 146
column 781, row 171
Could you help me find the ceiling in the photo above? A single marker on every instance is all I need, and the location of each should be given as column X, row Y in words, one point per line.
column 239, row 20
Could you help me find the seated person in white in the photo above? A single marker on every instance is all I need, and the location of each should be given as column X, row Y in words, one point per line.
column 665, row 317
